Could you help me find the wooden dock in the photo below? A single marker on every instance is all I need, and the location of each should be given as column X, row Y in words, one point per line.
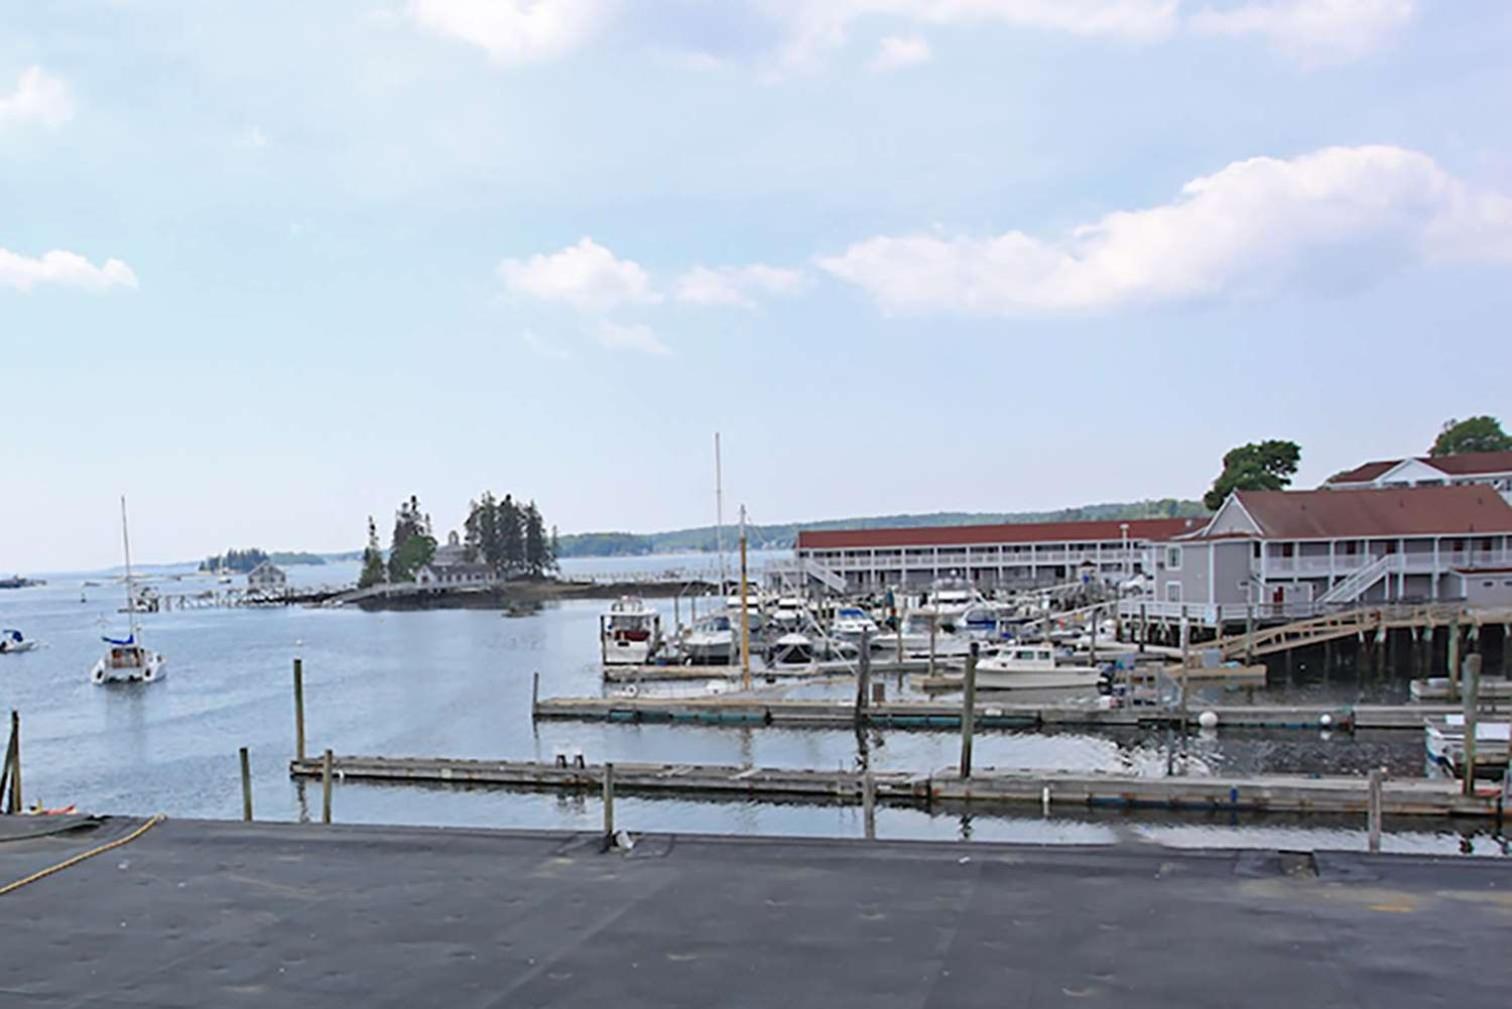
column 1438, row 688
column 748, row 709
column 1362, row 622
column 1262, row 793
column 813, row 670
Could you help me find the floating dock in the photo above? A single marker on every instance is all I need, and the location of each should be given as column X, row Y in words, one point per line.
column 1438, row 688
column 1260, row 793
column 753, row 709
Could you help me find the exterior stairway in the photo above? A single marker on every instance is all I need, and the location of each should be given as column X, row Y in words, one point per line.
column 1355, row 585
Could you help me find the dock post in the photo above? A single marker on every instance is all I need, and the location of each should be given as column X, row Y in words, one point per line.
column 1471, row 679
column 863, row 678
column 299, row 726
column 608, row 805
column 325, row 787
column 1373, row 809
column 1186, row 649
column 745, row 610
column 933, row 630
column 1249, row 634
column 246, row 776
column 535, row 693
column 1144, row 628
column 968, row 710
column 13, row 764
column 1454, row 650
column 1092, row 637
column 603, row 643
column 869, row 804
column 899, row 629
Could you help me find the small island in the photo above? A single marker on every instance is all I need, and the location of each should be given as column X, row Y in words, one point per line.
column 245, row 561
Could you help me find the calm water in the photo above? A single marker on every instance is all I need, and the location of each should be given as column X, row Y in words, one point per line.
column 457, row 683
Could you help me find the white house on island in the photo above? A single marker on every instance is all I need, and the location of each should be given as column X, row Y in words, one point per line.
column 1297, row 552
column 267, row 579
column 450, row 568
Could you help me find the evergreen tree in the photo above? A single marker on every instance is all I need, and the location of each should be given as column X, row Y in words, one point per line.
column 556, row 545
column 537, row 548
column 511, row 536
column 484, row 541
column 413, row 546
column 372, row 559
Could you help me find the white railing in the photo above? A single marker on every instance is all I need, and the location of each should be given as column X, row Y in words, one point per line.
column 1411, row 562
column 1351, row 588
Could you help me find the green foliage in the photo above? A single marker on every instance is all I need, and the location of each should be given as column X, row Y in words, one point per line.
column 509, row 538
column 538, row 556
column 372, row 559
column 413, row 546
column 1266, row 465
column 1473, row 434
column 234, row 560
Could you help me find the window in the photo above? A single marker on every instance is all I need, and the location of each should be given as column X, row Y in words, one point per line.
column 1173, row 558
column 1173, row 592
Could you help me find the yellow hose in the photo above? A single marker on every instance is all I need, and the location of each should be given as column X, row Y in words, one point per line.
column 91, row 853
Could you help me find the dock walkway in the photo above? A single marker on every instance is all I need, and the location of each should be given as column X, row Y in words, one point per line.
column 199, row 913
column 1259, row 793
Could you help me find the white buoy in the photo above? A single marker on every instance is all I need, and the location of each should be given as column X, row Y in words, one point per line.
column 1208, row 719
column 1326, row 720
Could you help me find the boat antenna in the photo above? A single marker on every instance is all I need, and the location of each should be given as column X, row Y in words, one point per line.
column 719, row 515
column 126, row 547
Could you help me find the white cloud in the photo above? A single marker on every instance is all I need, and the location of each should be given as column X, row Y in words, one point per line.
column 1339, row 216
column 586, row 276
column 65, row 269
column 634, row 336
column 1315, row 30
column 514, row 31
column 819, row 27
column 897, row 52
column 735, row 285
column 39, row 98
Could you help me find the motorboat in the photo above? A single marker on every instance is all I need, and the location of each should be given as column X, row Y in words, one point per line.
column 13, row 642
column 919, row 626
column 1033, row 667
column 1444, row 739
column 630, row 633
column 789, row 612
column 849, row 623
column 792, row 649
column 126, row 658
column 950, row 598
column 713, row 640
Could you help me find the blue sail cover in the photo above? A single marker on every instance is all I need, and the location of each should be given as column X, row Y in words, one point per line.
column 130, row 640
column 12, row 634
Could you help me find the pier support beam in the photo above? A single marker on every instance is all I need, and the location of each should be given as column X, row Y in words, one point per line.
column 1471, row 679
column 869, row 804
column 325, row 787
column 246, row 782
column 299, row 723
column 968, row 710
column 608, row 806
column 1373, row 809
column 1453, row 658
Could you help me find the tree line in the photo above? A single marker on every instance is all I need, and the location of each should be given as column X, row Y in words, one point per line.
column 509, row 537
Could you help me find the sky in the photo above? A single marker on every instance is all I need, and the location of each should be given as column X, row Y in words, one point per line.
column 268, row 269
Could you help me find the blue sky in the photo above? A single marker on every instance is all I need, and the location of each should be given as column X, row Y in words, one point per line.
column 268, row 269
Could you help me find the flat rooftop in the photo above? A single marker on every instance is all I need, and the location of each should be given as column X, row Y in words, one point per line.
column 216, row 914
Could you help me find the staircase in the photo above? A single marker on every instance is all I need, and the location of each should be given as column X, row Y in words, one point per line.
column 1354, row 586
column 824, row 576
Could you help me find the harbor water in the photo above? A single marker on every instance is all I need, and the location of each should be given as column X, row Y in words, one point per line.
column 458, row 683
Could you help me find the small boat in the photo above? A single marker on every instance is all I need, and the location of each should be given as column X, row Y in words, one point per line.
column 126, row 659
column 712, row 640
column 951, row 598
column 792, row 649
column 916, row 637
column 1033, row 667
column 630, row 633
column 850, row 622
column 1444, row 739
column 13, row 642
column 789, row 613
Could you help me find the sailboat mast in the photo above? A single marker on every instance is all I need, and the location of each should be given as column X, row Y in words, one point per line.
column 719, row 514
column 126, row 547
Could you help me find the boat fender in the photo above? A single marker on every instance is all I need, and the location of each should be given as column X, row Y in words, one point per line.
column 148, row 674
column 632, row 690
column 97, row 675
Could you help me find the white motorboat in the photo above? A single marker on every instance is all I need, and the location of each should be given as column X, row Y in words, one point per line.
column 713, row 640
column 1033, row 667
column 126, row 658
column 850, row 622
column 789, row 612
column 916, row 637
column 13, row 642
column 950, row 598
column 630, row 633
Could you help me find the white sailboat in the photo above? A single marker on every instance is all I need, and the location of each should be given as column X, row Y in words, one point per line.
column 126, row 659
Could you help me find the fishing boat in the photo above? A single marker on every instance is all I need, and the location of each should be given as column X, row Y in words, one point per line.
column 792, row 649
column 13, row 642
column 630, row 633
column 126, row 658
column 1033, row 667
column 712, row 640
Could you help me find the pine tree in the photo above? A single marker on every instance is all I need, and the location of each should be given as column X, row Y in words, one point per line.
column 372, row 559
column 537, row 550
column 511, row 537
column 413, row 546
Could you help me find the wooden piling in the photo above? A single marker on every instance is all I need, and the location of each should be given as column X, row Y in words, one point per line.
column 968, row 709
column 934, row 620
column 299, row 722
column 1144, row 628
column 17, row 803
column 1453, row 658
column 863, row 678
column 1186, row 655
column 325, row 787
column 246, row 779
column 869, row 804
column 608, row 805
column 1472, row 671
column 535, row 692
column 1249, row 634
column 1373, row 809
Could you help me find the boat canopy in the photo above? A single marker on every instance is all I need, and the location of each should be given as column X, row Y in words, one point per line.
column 10, row 633
column 130, row 640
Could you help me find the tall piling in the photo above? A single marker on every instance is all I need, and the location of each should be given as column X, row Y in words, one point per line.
column 299, row 721
column 1471, row 679
column 968, row 709
column 608, row 804
column 869, row 804
column 1373, row 809
column 246, row 783
column 326, row 762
